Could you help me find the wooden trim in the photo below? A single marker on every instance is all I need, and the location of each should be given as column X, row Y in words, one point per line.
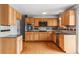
column 38, row 41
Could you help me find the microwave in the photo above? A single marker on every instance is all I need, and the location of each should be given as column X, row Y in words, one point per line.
column 43, row 24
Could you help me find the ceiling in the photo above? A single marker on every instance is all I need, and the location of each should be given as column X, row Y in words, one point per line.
column 37, row 9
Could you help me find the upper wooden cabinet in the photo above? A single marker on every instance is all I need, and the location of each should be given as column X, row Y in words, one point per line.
column 12, row 16
column 29, row 20
column 37, row 20
column 7, row 15
column 52, row 21
column 18, row 15
column 68, row 18
column 4, row 12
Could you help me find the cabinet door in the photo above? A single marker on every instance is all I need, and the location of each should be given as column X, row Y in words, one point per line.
column 41, row 36
column 49, row 35
column 27, row 36
column 54, row 37
column 37, row 20
column 31, row 36
column 0, row 14
column 12, row 16
column 0, row 45
column 72, row 18
column 18, row 15
column 4, row 14
column 7, row 15
column 36, row 35
column 61, row 41
column 29, row 20
column 52, row 22
column 19, row 44
column 26, row 20
column 9, row 45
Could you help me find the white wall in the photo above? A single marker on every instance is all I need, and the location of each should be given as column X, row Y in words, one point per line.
column 77, row 18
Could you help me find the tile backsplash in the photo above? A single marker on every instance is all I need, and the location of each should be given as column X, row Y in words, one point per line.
column 12, row 28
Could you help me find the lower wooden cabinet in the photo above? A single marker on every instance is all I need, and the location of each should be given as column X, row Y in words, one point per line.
column 61, row 41
column 27, row 36
column 10, row 45
column 54, row 36
column 19, row 44
column 38, row 36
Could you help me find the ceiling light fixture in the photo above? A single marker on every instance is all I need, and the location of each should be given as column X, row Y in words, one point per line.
column 44, row 13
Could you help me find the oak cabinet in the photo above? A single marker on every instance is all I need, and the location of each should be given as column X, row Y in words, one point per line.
column 68, row 18
column 31, row 37
column 27, row 36
column 18, row 15
column 4, row 14
column 37, row 20
column 29, row 20
column 43, row 36
column 8, row 15
column 12, row 16
column 19, row 44
column 52, row 22
column 61, row 41
column 10, row 45
column 36, row 35
column 54, row 36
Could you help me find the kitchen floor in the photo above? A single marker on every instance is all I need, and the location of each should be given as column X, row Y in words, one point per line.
column 40, row 48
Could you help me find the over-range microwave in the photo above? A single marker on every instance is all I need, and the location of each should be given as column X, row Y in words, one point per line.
column 42, row 24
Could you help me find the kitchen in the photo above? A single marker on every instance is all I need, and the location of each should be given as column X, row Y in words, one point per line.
column 35, row 31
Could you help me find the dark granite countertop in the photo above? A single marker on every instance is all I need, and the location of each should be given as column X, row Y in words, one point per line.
column 58, row 32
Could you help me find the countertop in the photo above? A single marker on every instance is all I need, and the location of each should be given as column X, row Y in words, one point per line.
column 58, row 32
column 10, row 36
